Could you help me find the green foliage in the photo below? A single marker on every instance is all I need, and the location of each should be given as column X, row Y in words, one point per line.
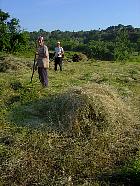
column 12, row 38
column 122, row 45
column 114, row 43
column 100, row 50
column 3, row 30
column 98, row 44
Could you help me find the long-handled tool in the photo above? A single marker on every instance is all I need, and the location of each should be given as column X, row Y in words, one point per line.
column 33, row 68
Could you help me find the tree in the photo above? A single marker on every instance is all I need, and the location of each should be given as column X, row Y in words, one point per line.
column 122, row 45
column 11, row 35
column 4, row 40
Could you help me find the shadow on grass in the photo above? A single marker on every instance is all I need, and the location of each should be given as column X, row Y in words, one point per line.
column 38, row 114
column 122, row 179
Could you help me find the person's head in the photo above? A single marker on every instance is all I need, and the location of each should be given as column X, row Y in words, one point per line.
column 58, row 43
column 40, row 40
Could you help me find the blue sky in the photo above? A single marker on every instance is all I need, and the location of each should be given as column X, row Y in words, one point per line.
column 72, row 14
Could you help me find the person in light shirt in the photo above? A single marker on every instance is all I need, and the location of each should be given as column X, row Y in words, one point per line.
column 59, row 53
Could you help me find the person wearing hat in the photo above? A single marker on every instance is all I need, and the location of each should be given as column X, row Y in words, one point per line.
column 42, row 61
column 59, row 53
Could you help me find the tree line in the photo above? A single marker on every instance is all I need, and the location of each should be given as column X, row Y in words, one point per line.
column 114, row 43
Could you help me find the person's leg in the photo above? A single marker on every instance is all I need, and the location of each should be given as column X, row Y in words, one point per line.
column 40, row 74
column 60, row 63
column 45, row 77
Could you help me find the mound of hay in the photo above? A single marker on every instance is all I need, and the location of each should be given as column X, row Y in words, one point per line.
column 79, row 57
column 13, row 63
column 85, row 110
column 100, row 127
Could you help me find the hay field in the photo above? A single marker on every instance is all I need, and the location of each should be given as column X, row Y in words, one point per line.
column 82, row 130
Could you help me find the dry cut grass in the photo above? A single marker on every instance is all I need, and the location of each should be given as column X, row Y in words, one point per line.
column 94, row 132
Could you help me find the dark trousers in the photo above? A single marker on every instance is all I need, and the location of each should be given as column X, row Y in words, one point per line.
column 43, row 76
column 58, row 61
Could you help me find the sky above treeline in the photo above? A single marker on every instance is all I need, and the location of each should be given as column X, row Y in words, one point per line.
column 72, row 15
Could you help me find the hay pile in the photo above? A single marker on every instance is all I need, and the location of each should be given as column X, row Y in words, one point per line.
column 11, row 63
column 79, row 57
column 94, row 113
column 83, row 111
column 91, row 108
column 96, row 130
column 96, row 104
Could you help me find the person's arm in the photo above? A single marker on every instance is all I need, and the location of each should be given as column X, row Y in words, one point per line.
column 62, row 52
